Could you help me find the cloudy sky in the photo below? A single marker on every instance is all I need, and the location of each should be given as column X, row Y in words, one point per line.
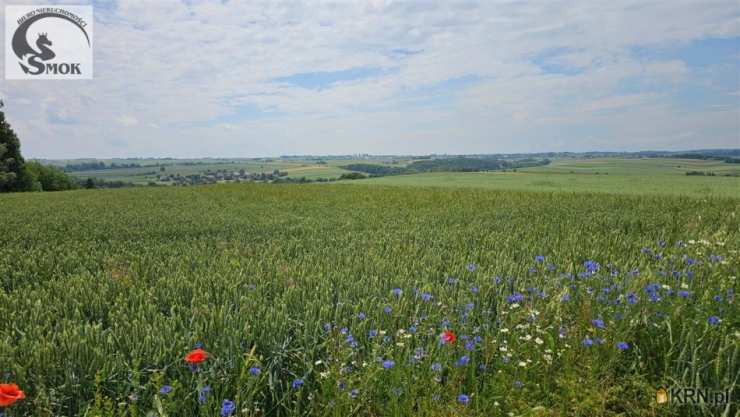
column 235, row 78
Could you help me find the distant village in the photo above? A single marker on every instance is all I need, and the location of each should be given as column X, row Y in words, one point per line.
column 220, row 176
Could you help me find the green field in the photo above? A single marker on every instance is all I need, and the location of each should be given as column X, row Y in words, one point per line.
column 563, row 304
column 622, row 176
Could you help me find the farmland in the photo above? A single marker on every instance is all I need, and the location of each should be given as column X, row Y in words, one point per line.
column 331, row 299
column 609, row 175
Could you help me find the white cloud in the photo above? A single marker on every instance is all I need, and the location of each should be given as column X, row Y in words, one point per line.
column 173, row 73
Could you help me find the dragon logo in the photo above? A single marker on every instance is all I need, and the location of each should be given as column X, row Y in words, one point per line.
column 39, row 59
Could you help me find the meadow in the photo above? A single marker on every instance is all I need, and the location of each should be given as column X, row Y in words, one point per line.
column 644, row 176
column 355, row 300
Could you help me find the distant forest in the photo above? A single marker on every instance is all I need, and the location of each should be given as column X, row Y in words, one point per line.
column 458, row 164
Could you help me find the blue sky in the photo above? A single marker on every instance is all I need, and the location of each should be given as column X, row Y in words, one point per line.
column 229, row 78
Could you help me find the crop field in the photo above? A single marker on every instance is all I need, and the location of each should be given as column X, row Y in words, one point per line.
column 351, row 300
column 662, row 176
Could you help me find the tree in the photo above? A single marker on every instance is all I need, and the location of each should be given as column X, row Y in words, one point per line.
column 90, row 183
column 49, row 178
column 13, row 173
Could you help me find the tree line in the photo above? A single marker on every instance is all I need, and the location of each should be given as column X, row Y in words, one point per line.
column 17, row 174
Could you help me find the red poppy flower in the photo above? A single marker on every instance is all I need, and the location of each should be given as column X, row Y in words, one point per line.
column 196, row 356
column 10, row 393
column 448, row 336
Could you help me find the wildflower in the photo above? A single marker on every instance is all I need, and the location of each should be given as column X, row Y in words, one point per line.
column 202, row 393
column 327, row 327
column 426, row 296
column 196, row 356
column 387, row 309
column 472, row 267
column 463, row 398
column 412, row 329
column 474, row 290
column 388, row 364
column 684, row 294
column 469, row 345
column 598, row 323
column 587, row 341
column 255, row 371
column 227, row 408
column 518, row 383
column 632, row 298
column 361, row 316
column 354, row 393
column 591, row 266
column 622, row 345
column 539, row 341
column 436, row 367
column 539, row 258
column 296, row 383
column 448, row 337
column 464, row 360
column 372, row 333
column 718, row 298
column 397, row 292
column 515, row 298
column 166, row 389
column 9, row 394
column 565, row 298
column 714, row 320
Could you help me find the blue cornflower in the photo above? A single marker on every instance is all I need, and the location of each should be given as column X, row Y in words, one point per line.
column 198, row 345
column 587, row 341
column 632, row 298
column 436, row 367
column 598, row 323
column 463, row 398
column 202, row 393
column 623, row 345
column 387, row 309
column 718, row 298
column 565, row 298
column 412, row 329
column 354, row 393
column 227, row 408
column 497, row 280
column 327, row 327
column 388, row 364
column 464, row 360
column 518, row 383
column 713, row 320
column 591, row 266
column 166, row 389
column 372, row 333
column 255, row 370
column 296, row 383
column 361, row 316
column 474, row 290
column 344, row 330
column 397, row 292
column 472, row 267
column 451, row 280
column 515, row 298
column 469, row 345
column 684, row 294
column 539, row 258
column 532, row 269
column 426, row 296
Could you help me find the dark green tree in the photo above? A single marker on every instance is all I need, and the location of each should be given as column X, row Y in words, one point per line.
column 13, row 173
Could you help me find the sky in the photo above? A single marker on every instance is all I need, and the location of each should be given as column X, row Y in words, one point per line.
column 199, row 78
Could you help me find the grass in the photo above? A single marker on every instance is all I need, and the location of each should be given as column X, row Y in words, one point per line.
column 620, row 176
column 103, row 292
